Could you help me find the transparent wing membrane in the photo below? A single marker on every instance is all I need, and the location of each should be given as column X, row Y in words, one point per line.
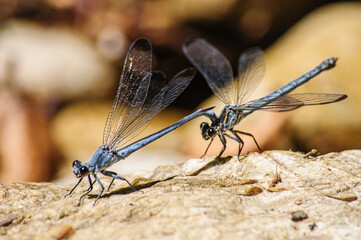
column 132, row 89
column 218, row 73
column 159, row 97
column 293, row 101
column 251, row 68
column 213, row 65
column 141, row 95
column 133, row 128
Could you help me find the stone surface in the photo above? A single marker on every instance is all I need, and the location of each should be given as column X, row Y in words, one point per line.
column 255, row 197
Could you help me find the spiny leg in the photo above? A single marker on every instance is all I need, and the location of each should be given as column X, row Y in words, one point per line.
column 240, row 141
column 89, row 189
column 237, row 139
column 224, row 142
column 74, row 187
column 101, row 185
column 114, row 175
column 109, row 172
column 207, row 148
column 110, row 184
column 248, row 134
column 89, row 186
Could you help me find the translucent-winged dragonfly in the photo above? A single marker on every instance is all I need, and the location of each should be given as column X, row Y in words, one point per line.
column 141, row 95
column 233, row 92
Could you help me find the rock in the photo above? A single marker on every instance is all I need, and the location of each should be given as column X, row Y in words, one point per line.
column 53, row 62
column 299, row 216
column 202, row 10
column 331, row 31
column 27, row 152
column 199, row 199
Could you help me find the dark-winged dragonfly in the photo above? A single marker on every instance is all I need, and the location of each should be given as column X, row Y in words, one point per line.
column 217, row 71
column 141, row 95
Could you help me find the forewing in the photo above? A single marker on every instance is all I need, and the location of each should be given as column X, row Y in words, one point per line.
column 293, row 101
column 251, row 69
column 132, row 90
column 157, row 99
column 212, row 64
column 176, row 86
column 134, row 127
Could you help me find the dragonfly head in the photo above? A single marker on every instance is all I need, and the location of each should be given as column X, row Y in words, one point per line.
column 207, row 131
column 80, row 170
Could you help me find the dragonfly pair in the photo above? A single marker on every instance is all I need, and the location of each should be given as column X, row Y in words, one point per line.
column 143, row 93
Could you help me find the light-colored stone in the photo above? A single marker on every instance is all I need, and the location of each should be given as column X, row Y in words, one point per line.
column 26, row 149
column 200, row 199
column 53, row 62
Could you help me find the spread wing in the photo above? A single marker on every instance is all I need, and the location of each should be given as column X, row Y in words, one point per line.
column 290, row 102
column 213, row 65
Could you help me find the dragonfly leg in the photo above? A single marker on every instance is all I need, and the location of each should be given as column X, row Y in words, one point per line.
column 224, row 142
column 90, row 185
column 108, row 173
column 74, row 187
column 248, row 134
column 115, row 176
column 239, row 140
column 89, row 189
column 101, row 185
column 207, row 148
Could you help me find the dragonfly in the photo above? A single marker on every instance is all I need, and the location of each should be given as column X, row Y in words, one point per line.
column 141, row 95
column 233, row 92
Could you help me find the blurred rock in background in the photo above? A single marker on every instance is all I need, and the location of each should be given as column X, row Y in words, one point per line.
column 53, row 62
column 27, row 150
column 67, row 55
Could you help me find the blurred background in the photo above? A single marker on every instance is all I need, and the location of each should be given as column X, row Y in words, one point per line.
column 60, row 62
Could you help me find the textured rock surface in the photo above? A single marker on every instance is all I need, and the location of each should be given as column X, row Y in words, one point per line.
column 254, row 197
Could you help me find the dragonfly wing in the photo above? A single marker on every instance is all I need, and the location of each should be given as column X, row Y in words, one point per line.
column 132, row 89
column 176, row 86
column 128, row 131
column 251, row 69
column 293, row 101
column 212, row 64
column 159, row 96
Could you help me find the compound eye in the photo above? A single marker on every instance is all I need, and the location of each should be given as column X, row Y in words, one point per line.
column 76, row 163
column 211, row 132
column 83, row 170
column 204, row 126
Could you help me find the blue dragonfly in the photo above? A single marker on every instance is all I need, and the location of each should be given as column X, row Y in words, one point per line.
column 141, row 95
column 233, row 92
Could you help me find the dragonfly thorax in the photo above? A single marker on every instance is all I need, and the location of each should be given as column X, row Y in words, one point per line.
column 109, row 150
column 229, row 117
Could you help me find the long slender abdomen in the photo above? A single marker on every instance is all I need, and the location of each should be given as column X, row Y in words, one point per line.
column 325, row 65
